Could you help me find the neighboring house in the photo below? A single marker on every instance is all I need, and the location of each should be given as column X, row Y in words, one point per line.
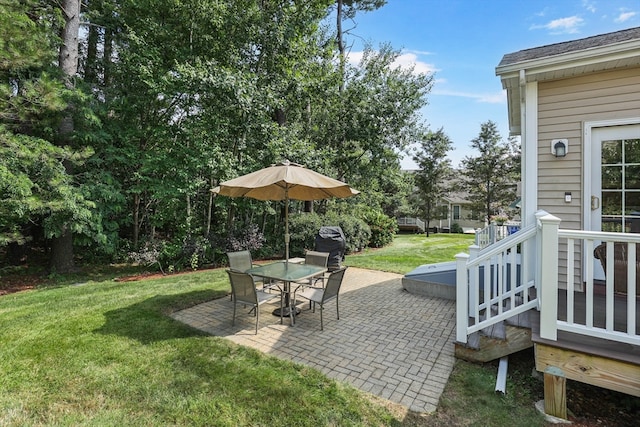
column 458, row 209
column 576, row 107
column 455, row 209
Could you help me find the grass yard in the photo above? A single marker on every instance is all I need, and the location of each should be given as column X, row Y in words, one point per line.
column 91, row 350
column 409, row 251
column 104, row 353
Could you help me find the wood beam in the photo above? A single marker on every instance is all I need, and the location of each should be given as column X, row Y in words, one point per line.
column 590, row 369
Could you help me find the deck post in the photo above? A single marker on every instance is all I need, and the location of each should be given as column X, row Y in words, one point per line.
column 462, row 298
column 549, row 277
column 555, row 392
column 472, row 286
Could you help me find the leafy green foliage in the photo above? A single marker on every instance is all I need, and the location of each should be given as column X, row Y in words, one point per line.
column 34, row 184
column 383, row 229
column 456, row 228
column 304, row 228
column 171, row 98
column 434, row 172
column 491, row 177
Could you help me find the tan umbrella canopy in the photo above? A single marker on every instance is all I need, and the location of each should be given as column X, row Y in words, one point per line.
column 285, row 181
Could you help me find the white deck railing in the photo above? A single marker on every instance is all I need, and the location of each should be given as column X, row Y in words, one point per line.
column 507, row 294
column 490, row 286
column 411, row 222
column 597, row 321
column 493, row 233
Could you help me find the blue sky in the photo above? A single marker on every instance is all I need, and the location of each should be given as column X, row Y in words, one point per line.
column 462, row 42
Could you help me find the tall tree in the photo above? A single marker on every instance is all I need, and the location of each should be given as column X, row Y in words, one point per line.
column 39, row 198
column 346, row 9
column 492, row 176
column 62, row 243
column 377, row 116
column 434, row 171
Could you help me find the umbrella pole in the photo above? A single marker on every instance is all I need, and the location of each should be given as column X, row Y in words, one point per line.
column 287, row 237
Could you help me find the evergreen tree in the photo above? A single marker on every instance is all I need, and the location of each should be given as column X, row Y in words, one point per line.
column 434, row 172
column 39, row 197
column 491, row 177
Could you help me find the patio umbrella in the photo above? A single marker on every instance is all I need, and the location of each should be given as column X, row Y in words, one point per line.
column 285, row 181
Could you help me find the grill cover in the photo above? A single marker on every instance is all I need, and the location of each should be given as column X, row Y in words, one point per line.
column 331, row 239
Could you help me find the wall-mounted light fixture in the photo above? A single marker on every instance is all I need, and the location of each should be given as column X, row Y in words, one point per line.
column 559, row 147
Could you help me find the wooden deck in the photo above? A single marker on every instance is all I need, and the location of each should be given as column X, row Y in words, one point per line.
column 523, row 331
column 600, row 362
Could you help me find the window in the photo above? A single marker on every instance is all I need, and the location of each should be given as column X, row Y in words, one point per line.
column 456, row 211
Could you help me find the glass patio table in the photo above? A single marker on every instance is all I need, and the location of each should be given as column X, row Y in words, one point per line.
column 287, row 272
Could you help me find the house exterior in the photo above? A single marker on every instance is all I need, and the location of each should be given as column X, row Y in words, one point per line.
column 567, row 282
column 570, row 91
column 458, row 211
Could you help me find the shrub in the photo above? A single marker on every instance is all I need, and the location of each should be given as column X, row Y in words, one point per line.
column 304, row 227
column 383, row 228
column 238, row 239
column 356, row 232
column 455, row 228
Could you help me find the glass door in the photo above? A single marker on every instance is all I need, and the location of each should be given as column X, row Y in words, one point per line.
column 615, row 181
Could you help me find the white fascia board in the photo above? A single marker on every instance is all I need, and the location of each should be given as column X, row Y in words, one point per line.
column 602, row 54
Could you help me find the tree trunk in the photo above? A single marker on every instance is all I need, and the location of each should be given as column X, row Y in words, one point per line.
column 340, row 44
column 62, row 247
column 90, row 65
column 210, row 208
column 106, row 56
column 136, row 219
column 62, row 253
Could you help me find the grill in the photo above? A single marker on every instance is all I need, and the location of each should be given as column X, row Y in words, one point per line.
column 331, row 239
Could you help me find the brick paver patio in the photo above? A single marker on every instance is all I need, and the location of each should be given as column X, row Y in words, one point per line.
column 387, row 342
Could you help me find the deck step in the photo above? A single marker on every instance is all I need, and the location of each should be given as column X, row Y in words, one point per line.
column 482, row 348
column 497, row 331
column 501, row 339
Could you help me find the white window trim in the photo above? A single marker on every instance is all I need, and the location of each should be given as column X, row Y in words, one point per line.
column 587, row 191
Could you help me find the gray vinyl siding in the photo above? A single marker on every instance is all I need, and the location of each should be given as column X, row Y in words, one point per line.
column 563, row 106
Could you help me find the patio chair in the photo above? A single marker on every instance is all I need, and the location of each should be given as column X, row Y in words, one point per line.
column 243, row 289
column 322, row 296
column 317, row 258
column 241, row 261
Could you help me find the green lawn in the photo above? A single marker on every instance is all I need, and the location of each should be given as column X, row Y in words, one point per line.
column 409, row 251
column 102, row 352
column 106, row 353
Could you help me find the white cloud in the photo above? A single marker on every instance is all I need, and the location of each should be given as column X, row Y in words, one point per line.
column 542, row 13
column 484, row 98
column 589, row 5
column 405, row 60
column 354, row 58
column 569, row 25
column 625, row 16
column 408, row 60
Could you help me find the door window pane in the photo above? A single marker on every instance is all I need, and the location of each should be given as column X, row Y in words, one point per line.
column 632, row 177
column 632, row 151
column 611, row 152
column 611, row 211
column 612, row 177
